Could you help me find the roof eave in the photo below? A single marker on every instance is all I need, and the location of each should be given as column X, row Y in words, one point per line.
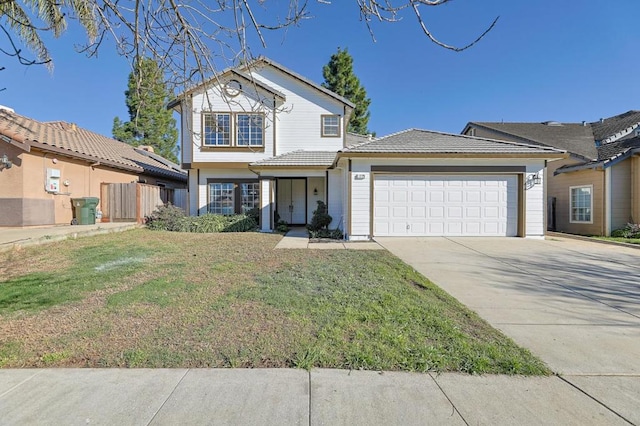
column 73, row 154
column 259, row 168
column 546, row 156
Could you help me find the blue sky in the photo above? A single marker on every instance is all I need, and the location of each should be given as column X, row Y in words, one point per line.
column 558, row 60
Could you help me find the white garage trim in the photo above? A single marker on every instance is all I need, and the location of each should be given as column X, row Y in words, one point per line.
column 445, row 205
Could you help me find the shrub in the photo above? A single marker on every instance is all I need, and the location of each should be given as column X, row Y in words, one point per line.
column 240, row 223
column 168, row 218
column 254, row 213
column 208, row 223
column 320, row 218
column 334, row 234
column 631, row 230
column 282, row 226
column 171, row 218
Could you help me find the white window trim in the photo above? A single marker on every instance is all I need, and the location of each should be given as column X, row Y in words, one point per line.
column 571, row 188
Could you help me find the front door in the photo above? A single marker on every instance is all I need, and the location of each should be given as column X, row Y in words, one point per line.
column 291, row 199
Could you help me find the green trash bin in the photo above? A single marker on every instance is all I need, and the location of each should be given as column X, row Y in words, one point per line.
column 85, row 210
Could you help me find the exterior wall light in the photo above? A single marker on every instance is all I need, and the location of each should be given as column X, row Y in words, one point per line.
column 5, row 163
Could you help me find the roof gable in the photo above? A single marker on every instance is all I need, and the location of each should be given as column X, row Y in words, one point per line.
column 245, row 71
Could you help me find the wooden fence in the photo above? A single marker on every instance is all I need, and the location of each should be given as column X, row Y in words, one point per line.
column 132, row 202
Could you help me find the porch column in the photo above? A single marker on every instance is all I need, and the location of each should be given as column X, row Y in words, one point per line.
column 267, row 188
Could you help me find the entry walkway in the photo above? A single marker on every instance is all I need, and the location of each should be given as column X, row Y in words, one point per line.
column 298, row 238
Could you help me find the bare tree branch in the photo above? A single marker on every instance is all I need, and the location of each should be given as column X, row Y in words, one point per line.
column 192, row 40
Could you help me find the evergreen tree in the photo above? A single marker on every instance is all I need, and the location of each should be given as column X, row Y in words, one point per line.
column 339, row 78
column 151, row 123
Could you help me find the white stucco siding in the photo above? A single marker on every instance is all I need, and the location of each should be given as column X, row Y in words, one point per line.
column 334, row 199
column 620, row 194
column 360, row 178
column 315, row 193
column 298, row 125
column 535, row 204
column 193, row 189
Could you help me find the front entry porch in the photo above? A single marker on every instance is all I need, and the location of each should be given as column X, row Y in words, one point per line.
column 296, row 198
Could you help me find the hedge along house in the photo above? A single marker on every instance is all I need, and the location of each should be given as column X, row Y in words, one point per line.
column 44, row 165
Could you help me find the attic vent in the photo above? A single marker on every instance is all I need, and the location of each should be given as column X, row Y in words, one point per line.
column 552, row 123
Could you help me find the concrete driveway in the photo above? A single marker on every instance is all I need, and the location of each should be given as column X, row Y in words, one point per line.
column 573, row 303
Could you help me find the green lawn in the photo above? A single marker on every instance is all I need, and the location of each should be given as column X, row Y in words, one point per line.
column 159, row 299
column 620, row 239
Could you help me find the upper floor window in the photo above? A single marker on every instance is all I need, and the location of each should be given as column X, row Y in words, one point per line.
column 218, row 128
column 331, row 126
column 581, row 202
column 250, row 129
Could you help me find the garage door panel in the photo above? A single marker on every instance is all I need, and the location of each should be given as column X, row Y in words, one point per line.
column 445, row 205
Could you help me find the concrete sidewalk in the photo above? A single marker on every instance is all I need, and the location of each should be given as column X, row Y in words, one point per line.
column 289, row 397
column 11, row 238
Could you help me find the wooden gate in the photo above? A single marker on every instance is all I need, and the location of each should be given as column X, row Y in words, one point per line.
column 129, row 202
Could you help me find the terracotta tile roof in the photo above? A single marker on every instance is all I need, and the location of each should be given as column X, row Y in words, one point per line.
column 427, row 141
column 323, row 159
column 575, row 138
column 77, row 142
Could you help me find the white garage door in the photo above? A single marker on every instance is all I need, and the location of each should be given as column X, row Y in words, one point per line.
column 445, row 205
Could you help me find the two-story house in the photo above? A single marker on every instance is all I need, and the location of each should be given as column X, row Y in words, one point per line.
column 262, row 136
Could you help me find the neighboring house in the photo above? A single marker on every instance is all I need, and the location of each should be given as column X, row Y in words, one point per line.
column 597, row 189
column 44, row 165
column 261, row 136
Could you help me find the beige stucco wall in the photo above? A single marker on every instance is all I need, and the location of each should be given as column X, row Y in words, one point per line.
column 558, row 187
column 24, row 201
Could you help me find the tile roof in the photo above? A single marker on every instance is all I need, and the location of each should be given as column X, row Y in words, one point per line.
column 354, row 138
column 77, row 142
column 576, row 138
column 618, row 125
column 427, row 141
column 299, row 159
